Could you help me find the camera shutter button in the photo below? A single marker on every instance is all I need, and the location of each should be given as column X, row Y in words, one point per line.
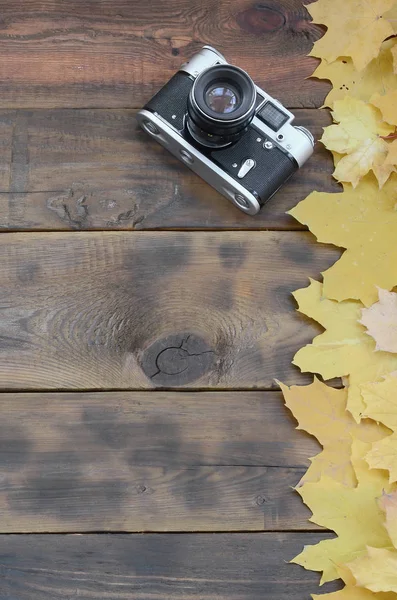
column 246, row 167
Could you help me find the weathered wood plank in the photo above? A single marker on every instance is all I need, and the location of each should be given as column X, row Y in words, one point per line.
column 163, row 429
column 154, row 567
column 158, row 462
column 118, row 310
column 84, row 169
column 66, row 491
column 117, row 53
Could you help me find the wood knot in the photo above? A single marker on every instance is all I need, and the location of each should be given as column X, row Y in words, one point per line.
column 177, row 360
column 261, row 19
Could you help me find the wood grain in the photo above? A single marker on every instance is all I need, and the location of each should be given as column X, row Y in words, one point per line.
column 66, row 491
column 118, row 310
column 162, row 429
column 118, row 53
column 158, row 462
column 154, row 567
column 84, row 169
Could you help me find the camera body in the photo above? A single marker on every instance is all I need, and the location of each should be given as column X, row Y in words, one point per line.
column 231, row 133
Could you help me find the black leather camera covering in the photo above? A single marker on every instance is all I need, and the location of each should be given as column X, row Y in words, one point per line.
column 273, row 167
column 172, row 99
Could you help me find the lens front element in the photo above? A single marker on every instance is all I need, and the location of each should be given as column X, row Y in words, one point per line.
column 222, row 98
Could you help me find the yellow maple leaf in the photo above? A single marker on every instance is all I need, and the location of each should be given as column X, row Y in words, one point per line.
column 388, row 503
column 321, row 411
column 392, row 156
column 377, row 77
column 380, row 319
column 358, row 135
column 394, row 53
column 354, row 593
column 380, row 399
column 364, row 221
column 344, row 349
column 391, row 16
column 387, row 104
column 355, row 28
column 353, row 513
column 377, row 570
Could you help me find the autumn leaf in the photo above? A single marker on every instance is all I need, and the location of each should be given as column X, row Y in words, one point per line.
column 364, row 221
column 391, row 16
column 392, row 156
column 377, row 569
column 353, row 513
column 358, row 135
column 380, row 399
column 380, row 319
column 355, row 28
column 354, row 593
column 377, row 77
column 344, row 349
column 321, row 411
column 394, row 53
column 387, row 104
column 388, row 503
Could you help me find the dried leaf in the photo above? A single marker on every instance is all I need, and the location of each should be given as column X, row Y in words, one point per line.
column 392, row 156
column 344, row 349
column 381, row 405
column 321, row 411
column 354, row 593
column 353, row 513
column 364, row 221
column 349, row 24
column 388, row 504
column 387, row 104
column 378, row 76
column 380, row 319
column 359, row 136
column 377, row 570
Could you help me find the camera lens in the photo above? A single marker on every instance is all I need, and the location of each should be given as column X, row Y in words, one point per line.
column 221, row 105
column 222, row 98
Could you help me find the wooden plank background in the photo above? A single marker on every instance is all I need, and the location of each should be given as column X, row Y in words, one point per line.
column 137, row 368
column 210, row 567
column 121, row 311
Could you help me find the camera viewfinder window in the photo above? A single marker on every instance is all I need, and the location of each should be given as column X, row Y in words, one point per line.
column 272, row 116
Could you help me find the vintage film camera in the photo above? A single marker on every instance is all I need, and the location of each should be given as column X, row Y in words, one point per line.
column 231, row 133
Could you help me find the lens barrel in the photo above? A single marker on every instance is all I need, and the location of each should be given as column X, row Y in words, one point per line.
column 221, row 105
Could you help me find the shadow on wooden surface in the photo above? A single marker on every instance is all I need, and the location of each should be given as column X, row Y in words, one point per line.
column 150, row 462
column 116, row 54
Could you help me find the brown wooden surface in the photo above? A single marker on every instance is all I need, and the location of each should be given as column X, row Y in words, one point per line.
column 155, row 567
column 90, row 169
column 116, row 54
column 115, row 310
column 122, row 310
column 161, row 429
column 150, row 462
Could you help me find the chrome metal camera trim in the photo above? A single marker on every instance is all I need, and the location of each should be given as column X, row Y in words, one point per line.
column 206, row 58
column 201, row 165
column 207, row 47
